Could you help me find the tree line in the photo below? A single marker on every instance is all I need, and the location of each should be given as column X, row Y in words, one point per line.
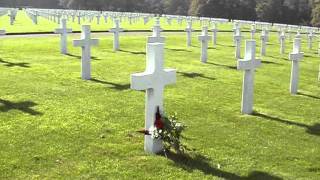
column 301, row 12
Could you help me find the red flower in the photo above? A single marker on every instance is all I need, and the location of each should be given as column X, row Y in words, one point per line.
column 158, row 122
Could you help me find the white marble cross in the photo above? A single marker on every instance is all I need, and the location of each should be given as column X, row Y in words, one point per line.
column 189, row 33
column 296, row 56
column 63, row 31
column 264, row 39
column 105, row 16
column 79, row 18
column 248, row 64
column 156, row 35
column 98, row 18
column 214, row 34
column 85, row 43
column 204, row 38
column 310, row 40
column 153, row 80
column 145, row 20
column 253, row 31
column 282, row 42
column 116, row 31
column 12, row 16
column 237, row 40
column 298, row 35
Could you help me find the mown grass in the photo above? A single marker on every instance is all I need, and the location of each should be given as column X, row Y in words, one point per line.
column 53, row 125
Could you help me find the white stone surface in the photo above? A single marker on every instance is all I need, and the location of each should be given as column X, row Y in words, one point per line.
column 296, row 56
column 248, row 64
column 237, row 40
column 282, row 42
column 156, row 34
column 253, row 31
column 63, row 31
column 85, row 43
column 189, row 33
column 116, row 31
column 153, row 80
column 310, row 40
column 264, row 40
column 214, row 34
column 204, row 38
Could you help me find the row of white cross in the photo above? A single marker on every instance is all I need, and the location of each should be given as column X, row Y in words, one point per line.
column 155, row 77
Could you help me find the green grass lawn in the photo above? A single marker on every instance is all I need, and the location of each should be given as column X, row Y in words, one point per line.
column 24, row 24
column 53, row 125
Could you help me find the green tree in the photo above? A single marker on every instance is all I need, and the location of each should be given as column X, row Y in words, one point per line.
column 316, row 13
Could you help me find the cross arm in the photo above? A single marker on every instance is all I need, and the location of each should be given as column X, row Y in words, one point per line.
column 116, row 30
column 204, row 38
column 170, row 75
column 296, row 56
column 248, row 64
column 156, row 39
column 141, row 81
column 78, row 43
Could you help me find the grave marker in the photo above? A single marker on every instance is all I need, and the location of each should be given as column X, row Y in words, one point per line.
column 282, row 42
column 153, row 80
column 253, row 31
column 310, row 40
column 85, row 43
column 264, row 40
column 296, row 56
column 156, row 35
column 248, row 64
column 63, row 31
column 204, row 38
column 214, row 34
column 116, row 31
column 237, row 40
column 189, row 33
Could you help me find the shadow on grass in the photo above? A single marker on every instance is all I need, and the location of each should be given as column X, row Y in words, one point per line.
column 133, row 52
column 222, row 65
column 195, row 75
column 11, row 64
column 198, row 162
column 284, row 58
column 118, row 87
column 270, row 62
column 24, row 106
column 178, row 50
column 79, row 57
column 313, row 130
column 308, row 95
column 224, row 45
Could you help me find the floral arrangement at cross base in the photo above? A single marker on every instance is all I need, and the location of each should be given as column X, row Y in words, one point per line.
column 167, row 129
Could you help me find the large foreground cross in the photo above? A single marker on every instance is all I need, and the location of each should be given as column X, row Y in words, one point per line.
column 85, row 43
column 153, row 80
column 248, row 64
